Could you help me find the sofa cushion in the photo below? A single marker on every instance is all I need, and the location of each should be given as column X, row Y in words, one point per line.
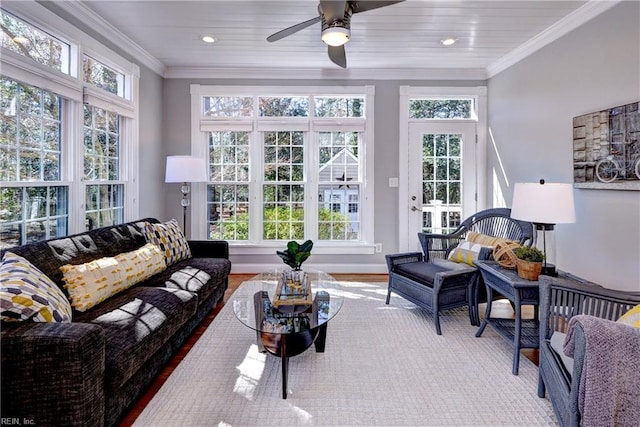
column 137, row 323
column 198, row 275
column 171, row 240
column 91, row 283
column 28, row 294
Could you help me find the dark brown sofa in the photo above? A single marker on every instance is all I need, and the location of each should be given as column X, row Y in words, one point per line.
column 89, row 372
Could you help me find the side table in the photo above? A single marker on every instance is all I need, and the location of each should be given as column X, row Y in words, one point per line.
column 521, row 333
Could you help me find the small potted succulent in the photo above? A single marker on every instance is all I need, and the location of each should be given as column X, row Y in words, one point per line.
column 529, row 262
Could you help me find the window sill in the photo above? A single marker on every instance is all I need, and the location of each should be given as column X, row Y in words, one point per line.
column 351, row 249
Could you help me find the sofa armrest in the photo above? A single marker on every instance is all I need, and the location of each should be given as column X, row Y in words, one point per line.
column 209, row 248
column 53, row 373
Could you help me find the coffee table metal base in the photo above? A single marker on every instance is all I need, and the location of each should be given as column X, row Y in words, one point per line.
column 286, row 345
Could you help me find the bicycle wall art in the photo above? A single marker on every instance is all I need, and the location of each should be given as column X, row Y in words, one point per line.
column 606, row 149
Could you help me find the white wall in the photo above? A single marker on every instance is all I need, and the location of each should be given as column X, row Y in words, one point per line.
column 531, row 107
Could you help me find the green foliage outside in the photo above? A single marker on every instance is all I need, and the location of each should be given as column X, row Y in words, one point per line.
column 333, row 225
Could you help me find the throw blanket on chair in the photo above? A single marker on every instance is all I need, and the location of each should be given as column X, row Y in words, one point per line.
column 609, row 392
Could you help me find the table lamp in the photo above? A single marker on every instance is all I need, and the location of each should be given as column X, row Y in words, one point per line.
column 545, row 205
column 185, row 169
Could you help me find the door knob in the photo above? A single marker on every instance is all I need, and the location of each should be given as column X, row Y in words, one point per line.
column 413, row 208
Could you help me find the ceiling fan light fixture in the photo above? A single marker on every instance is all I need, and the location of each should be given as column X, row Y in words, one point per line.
column 336, row 36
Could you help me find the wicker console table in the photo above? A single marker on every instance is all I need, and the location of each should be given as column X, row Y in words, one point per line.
column 521, row 333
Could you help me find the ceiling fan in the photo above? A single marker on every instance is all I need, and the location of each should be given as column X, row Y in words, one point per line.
column 336, row 24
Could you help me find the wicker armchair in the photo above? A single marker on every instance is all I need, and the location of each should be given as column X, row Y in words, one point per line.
column 430, row 281
column 560, row 376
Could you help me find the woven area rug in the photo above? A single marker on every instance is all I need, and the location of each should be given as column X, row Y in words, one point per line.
column 383, row 365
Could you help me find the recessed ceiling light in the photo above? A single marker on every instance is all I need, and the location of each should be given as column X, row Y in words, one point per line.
column 448, row 41
column 209, row 39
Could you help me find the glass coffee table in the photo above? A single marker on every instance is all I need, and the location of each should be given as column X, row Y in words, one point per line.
column 287, row 330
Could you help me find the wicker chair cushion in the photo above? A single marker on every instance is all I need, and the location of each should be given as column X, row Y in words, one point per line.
column 631, row 317
column 422, row 272
column 557, row 344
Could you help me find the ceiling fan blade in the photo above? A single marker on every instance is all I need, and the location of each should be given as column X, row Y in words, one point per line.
column 338, row 56
column 293, row 29
column 363, row 5
column 333, row 10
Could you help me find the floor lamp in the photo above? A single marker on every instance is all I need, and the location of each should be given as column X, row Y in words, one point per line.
column 185, row 169
column 545, row 205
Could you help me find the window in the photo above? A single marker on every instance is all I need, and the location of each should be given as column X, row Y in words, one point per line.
column 64, row 141
column 104, row 199
column 284, row 163
column 30, row 151
column 442, row 109
column 103, row 76
column 29, row 41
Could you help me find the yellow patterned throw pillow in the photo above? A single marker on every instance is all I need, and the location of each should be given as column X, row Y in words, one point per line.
column 91, row 283
column 171, row 240
column 466, row 252
column 26, row 293
column 631, row 317
column 483, row 239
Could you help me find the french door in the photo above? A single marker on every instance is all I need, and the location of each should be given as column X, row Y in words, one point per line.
column 442, row 177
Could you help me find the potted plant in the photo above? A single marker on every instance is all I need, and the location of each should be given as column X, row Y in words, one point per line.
column 294, row 256
column 529, row 262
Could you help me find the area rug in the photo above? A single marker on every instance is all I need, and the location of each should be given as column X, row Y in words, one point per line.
column 383, row 365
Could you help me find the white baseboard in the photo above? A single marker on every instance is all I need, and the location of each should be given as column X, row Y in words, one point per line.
column 329, row 268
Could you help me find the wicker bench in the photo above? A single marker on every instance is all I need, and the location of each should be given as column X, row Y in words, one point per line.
column 432, row 282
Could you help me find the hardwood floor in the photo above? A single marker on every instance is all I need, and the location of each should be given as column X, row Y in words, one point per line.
column 499, row 309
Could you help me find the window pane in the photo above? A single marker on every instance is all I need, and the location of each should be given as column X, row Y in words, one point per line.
column 441, row 109
column 228, row 212
column 339, row 156
column 104, row 205
column 102, row 146
column 339, row 107
column 228, row 106
column 284, row 106
column 31, row 214
column 229, row 156
column 106, row 78
column 339, row 212
column 27, row 40
column 30, row 136
column 283, row 158
column 283, row 219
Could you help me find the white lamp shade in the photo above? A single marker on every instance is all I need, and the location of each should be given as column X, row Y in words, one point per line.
column 548, row 203
column 185, row 169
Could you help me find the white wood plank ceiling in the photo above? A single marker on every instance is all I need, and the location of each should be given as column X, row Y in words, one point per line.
column 404, row 36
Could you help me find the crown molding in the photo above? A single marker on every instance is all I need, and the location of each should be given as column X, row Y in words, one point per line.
column 567, row 24
column 84, row 14
column 325, row 74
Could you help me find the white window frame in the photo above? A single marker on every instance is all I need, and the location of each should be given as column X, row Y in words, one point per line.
column 200, row 125
column 75, row 91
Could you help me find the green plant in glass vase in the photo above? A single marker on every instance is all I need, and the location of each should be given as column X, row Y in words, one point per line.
column 296, row 254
